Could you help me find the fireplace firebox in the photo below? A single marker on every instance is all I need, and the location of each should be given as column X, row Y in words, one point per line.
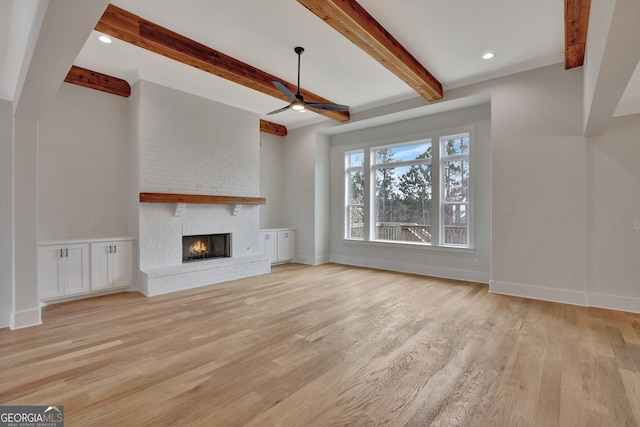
column 206, row 246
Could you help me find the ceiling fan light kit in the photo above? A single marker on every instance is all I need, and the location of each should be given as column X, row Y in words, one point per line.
column 297, row 100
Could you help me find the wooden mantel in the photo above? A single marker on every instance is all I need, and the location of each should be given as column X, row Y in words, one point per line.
column 200, row 198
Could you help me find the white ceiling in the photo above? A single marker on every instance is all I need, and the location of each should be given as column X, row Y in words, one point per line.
column 447, row 37
column 263, row 34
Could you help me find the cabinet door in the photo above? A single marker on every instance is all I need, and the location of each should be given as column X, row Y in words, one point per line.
column 76, row 269
column 120, row 265
column 286, row 245
column 50, row 276
column 100, row 265
column 269, row 245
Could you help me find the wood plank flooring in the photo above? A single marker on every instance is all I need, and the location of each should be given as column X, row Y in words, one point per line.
column 329, row 345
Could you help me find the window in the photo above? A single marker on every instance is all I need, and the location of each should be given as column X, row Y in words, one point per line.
column 454, row 154
column 402, row 192
column 355, row 194
column 415, row 192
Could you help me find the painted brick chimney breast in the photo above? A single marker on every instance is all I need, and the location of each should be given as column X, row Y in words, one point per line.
column 191, row 145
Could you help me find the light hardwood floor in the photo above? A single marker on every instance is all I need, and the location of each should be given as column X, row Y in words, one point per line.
column 327, row 345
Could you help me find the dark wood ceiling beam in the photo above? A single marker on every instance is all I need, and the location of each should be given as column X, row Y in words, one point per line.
column 133, row 29
column 576, row 24
column 272, row 128
column 105, row 83
column 355, row 23
column 94, row 80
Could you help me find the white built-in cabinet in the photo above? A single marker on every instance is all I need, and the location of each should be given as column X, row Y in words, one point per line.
column 278, row 244
column 269, row 245
column 63, row 270
column 286, row 245
column 111, row 265
column 67, row 269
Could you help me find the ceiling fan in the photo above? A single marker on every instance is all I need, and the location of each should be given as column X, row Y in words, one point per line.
column 297, row 101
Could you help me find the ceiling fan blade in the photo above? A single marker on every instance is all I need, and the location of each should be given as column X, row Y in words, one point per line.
column 332, row 107
column 285, row 90
column 280, row 110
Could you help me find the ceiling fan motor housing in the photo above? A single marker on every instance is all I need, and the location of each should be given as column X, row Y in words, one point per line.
column 297, row 100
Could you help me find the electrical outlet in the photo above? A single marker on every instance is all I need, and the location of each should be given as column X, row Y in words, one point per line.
column 636, row 224
column 476, row 261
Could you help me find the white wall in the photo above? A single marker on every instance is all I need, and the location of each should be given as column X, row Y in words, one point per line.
column 271, row 180
column 305, row 190
column 26, row 306
column 539, row 185
column 133, row 159
column 613, row 205
column 419, row 259
column 84, row 167
column 612, row 54
column 538, row 182
column 6, row 211
column 322, row 200
column 287, row 166
column 53, row 43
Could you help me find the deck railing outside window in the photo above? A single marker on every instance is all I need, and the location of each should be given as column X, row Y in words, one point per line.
column 411, row 232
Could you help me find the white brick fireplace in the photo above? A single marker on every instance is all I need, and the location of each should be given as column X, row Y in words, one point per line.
column 190, row 145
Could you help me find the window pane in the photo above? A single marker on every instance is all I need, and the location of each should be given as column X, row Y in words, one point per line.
column 456, row 181
column 356, row 222
column 404, row 153
column 386, row 195
column 455, row 224
column 455, row 146
column 356, row 187
column 403, row 203
column 355, row 158
column 355, row 195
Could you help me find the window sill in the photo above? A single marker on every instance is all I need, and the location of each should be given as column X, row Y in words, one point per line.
column 409, row 245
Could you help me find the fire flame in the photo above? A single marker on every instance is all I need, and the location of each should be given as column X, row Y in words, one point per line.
column 198, row 247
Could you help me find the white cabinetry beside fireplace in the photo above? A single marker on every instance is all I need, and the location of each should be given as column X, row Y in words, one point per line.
column 63, row 270
column 72, row 268
column 111, row 265
column 278, row 244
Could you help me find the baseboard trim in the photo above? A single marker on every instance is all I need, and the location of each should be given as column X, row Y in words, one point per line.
column 25, row 318
column 614, row 302
column 424, row 270
column 312, row 260
column 130, row 288
column 5, row 319
column 538, row 292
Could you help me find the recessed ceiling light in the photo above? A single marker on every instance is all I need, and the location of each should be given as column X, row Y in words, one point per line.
column 488, row 55
column 104, row 39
